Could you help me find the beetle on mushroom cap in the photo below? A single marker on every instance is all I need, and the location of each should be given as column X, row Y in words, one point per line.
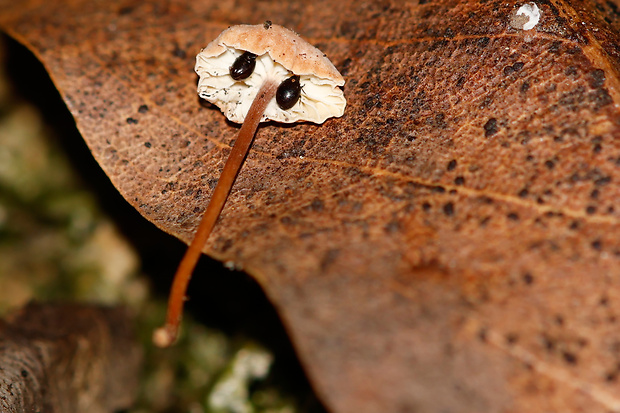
column 279, row 54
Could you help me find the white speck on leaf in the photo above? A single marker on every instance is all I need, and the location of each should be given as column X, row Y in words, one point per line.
column 532, row 12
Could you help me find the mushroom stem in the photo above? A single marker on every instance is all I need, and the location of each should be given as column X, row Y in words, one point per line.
column 166, row 335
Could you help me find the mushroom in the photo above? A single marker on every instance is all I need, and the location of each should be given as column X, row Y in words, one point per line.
column 241, row 72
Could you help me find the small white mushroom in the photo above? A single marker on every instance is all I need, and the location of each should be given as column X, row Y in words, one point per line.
column 241, row 72
column 280, row 54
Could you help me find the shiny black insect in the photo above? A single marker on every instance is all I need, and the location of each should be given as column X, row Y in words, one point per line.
column 288, row 93
column 243, row 66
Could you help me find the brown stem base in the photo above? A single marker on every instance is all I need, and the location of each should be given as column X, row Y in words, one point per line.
column 166, row 335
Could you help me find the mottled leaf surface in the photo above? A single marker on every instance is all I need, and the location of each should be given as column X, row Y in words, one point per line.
column 450, row 244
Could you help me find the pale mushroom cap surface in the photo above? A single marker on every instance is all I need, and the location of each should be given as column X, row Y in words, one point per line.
column 280, row 54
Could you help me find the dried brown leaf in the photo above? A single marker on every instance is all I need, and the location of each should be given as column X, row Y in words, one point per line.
column 68, row 358
column 450, row 244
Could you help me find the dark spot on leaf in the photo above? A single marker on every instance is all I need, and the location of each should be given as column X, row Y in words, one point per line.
column 569, row 357
column 523, row 193
column 345, row 66
column 438, row 121
column 597, row 244
column 528, row 278
column 132, row 121
column 602, row 181
column 211, row 182
column 590, row 210
column 171, row 185
column 548, row 343
column 373, row 101
column 24, row 373
column 490, row 128
column 147, row 144
column 317, row 205
column 451, row 165
column 549, row 164
column 393, row 226
column 143, row 109
column 426, row 206
column 555, row 46
column 123, row 11
column 438, row 45
column 570, row 71
column 612, row 376
column 178, row 52
column 513, row 216
column 512, row 338
column 448, row 209
column 573, row 98
column 596, row 78
column 486, row 102
column 330, row 256
column 227, row 244
column 525, row 86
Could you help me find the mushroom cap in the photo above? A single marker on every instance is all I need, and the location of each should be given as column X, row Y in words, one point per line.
column 281, row 53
